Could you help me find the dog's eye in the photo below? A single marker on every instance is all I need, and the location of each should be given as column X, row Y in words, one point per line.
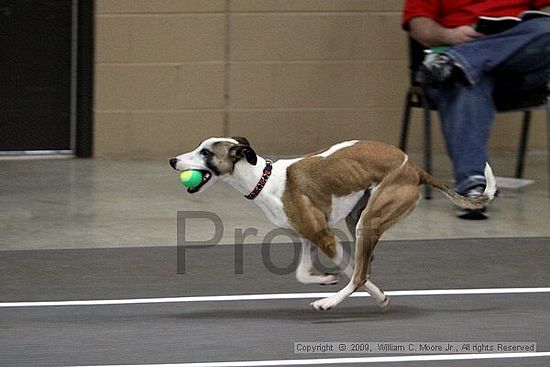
column 205, row 152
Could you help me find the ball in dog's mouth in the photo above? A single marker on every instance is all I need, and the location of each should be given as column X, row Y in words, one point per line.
column 206, row 176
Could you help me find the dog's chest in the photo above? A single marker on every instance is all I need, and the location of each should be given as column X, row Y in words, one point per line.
column 276, row 214
column 342, row 206
column 270, row 201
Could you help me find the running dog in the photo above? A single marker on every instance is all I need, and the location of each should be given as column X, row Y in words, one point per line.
column 369, row 184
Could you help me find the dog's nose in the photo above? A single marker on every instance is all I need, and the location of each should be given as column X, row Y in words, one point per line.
column 173, row 162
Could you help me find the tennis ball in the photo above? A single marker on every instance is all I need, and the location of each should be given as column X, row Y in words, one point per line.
column 191, row 178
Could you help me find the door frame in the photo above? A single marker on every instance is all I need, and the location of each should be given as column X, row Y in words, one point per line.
column 84, row 88
column 82, row 85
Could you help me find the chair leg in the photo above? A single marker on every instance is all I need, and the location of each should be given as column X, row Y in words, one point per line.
column 405, row 123
column 548, row 140
column 427, row 145
column 520, row 165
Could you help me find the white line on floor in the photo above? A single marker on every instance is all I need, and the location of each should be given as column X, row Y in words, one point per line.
column 353, row 360
column 263, row 297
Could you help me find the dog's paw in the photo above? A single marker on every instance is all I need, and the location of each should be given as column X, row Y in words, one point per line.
column 385, row 304
column 328, row 279
column 310, row 278
column 324, row 304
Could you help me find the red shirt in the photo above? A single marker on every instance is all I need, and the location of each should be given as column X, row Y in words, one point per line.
column 454, row 13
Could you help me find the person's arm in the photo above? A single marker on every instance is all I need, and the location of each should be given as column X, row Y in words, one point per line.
column 545, row 8
column 430, row 33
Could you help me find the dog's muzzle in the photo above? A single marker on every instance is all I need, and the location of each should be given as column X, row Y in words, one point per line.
column 206, row 176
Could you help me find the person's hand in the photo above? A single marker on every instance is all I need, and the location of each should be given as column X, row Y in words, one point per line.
column 462, row 34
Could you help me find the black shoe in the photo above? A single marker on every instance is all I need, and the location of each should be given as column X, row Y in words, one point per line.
column 474, row 214
column 438, row 69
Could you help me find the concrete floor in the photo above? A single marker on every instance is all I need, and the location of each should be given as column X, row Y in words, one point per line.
column 76, row 203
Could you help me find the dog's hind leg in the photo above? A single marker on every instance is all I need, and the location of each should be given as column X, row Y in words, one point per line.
column 304, row 272
column 370, row 287
column 353, row 217
column 391, row 202
column 363, row 252
column 312, row 225
column 352, row 221
column 393, row 198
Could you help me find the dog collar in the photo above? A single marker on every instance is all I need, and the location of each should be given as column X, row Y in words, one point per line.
column 262, row 181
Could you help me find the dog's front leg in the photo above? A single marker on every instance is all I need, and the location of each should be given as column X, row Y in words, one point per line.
column 312, row 224
column 304, row 271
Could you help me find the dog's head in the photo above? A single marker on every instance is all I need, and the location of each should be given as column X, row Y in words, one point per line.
column 215, row 158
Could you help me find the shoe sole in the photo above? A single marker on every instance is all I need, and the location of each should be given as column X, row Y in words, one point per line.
column 473, row 214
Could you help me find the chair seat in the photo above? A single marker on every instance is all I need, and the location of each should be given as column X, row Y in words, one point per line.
column 519, row 100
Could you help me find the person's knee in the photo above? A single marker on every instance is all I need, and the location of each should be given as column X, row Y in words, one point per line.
column 539, row 26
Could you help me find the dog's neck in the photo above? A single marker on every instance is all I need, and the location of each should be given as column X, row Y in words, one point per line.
column 245, row 176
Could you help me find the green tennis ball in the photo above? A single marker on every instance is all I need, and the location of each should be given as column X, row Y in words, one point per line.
column 191, row 178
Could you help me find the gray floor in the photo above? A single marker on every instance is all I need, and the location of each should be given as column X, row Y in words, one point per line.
column 48, row 204
column 101, row 229
column 260, row 330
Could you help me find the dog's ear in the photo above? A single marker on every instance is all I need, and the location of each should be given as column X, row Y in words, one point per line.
column 241, row 140
column 239, row 151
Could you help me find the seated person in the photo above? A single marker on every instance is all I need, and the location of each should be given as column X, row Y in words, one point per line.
column 463, row 76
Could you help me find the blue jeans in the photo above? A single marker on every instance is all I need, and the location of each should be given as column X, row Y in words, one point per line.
column 522, row 55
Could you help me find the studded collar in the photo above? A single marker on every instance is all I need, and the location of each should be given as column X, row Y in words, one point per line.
column 262, row 182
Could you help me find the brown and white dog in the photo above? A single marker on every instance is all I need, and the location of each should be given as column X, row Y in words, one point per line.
column 369, row 184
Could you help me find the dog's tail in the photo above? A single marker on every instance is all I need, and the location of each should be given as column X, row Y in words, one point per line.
column 463, row 201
